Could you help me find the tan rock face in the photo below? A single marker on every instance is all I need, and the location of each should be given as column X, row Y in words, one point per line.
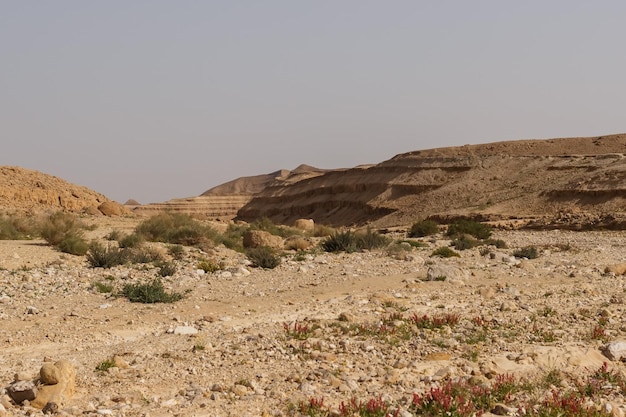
column 60, row 392
column 258, row 238
column 112, row 208
column 24, row 189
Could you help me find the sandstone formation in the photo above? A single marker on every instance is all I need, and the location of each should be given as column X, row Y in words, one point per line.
column 260, row 238
column 505, row 180
column 23, row 189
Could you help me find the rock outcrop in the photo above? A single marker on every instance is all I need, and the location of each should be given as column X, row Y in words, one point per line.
column 26, row 190
column 504, row 180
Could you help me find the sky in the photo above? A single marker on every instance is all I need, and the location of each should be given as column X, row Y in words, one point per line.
column 155, row 100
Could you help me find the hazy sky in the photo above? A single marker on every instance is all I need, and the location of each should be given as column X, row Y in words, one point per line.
column 154, row 100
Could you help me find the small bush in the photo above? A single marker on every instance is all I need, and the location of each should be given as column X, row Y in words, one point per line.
column 144, row 255
column 100, row 256
column 263, row 257
column 469, row 227
column 529, row 252
column 423, row 228
column 498, row 243
column 465, row 242
column 167, row 269
column 372, row 240
column 341, row 242
column 320, row 230
column 16, row 227
column 176, row 251
column 176, row 228
column 208, row 266
column 103, row 287
column 115, row 235
column 105, row 365
column 131, row 241
column 57, row 226
column 74, row 244
column 267, row 225
column 149, row 293
column 444, row 252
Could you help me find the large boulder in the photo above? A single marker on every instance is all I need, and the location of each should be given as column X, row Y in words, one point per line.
column 258, row 238
column 308, row 225
column 112, row 208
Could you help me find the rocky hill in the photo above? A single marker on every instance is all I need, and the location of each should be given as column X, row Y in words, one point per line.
column 27, row 190
column 526, row 179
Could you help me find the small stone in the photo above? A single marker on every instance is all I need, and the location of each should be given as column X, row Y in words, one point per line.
column 615, row 351
column 120, row 363
column 502, row 410
column 50, row 408
column 185, row 330
column 22, row 376
column 21, row 391
column 32, row 310
column 49, row 374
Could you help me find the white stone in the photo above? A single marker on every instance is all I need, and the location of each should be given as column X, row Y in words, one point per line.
column 185, row 330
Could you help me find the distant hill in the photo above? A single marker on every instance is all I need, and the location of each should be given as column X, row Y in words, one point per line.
column 23, row 189
column 525, row 179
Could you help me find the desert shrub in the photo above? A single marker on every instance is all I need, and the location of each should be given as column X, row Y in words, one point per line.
column 529, row 252
column 423, row 228
column 149, row 293
column 74, row 244
column 320, row 230
column 469, row 227
column 130, row 241
column 115, row 235
column 208, row 266
column 398, row 250
column 55, row 227
column 145, row 255
column 498, row 243
column 101, row 256
column 14, row 227
column 371, row 239
column 263, row 257
column 167, row 269
column 345, row 241
column 103, row 287
column 176, row 228
column 465, row 242
column 176, row 251
column 444, row 252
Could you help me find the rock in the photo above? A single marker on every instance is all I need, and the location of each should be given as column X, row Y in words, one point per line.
column 307, row 225
column 21, row 391
column 615, row 351
column 450, row 272
column 617, row 269
column 258, row 238
column 22, row 376
column 49, row 374
column 60, row 392
column 503, row 410
column 185, row 330
column 120, row 363
column 112, row 208
column 51, row 408
column 437, row 356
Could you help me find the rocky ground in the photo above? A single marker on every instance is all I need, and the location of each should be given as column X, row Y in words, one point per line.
column 251, row 342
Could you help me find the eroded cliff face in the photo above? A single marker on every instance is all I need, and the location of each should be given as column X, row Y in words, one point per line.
column 23, row 189
column 504, row 180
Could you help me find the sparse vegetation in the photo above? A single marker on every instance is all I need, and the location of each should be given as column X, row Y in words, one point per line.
column 528, row 252
column 263, row 257
column 101, row 256
column 469, row 227
column 177, row 229
column 208, row 266
column 105, row 365
column 424, row 228
column 167, row 269
column 348, row 241
column 444, row 252
column 149, row 293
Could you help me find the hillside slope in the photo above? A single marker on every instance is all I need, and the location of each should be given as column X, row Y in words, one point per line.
column 503, row 180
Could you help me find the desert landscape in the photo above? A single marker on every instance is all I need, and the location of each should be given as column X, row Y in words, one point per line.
column 474, row 280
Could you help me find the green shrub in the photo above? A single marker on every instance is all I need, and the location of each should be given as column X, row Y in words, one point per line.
column 105, row 365
column 74, row 244
column 115, row 235
column 341, row 242
column 14, row 227
column 176, row 228
column 444, row 252
column 100, row 256
column 372, row 240
column 469, row 227
column 267, row 225
column 320, row 230
column 176, row 251
column 498, row 243
column 263, row 257
column 465, row 242
column 149, row 293
column 529, row 252
column 423, row 228
column 167, row 269
column 131, row 241
column 57, row 226
column 208, row 266
column 144, row 255
column 103, row 287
